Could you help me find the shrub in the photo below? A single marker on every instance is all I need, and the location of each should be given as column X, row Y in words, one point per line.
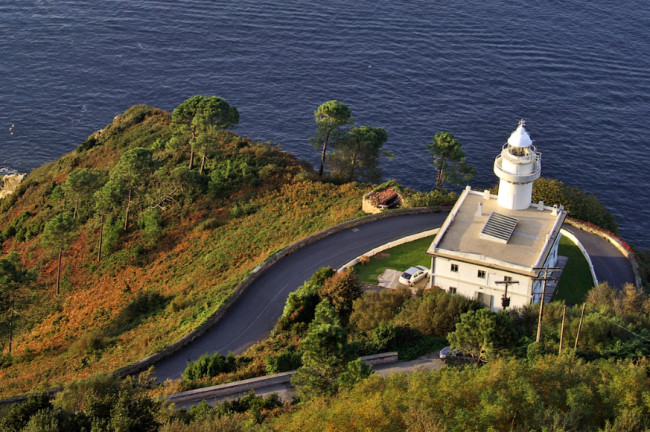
column 285, row 361
column 209, row 365
column 19, row 415
column 209, row 224
column 151, row 222
column 578, row 203
column 430, row 199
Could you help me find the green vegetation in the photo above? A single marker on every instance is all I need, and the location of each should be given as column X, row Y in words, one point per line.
column 578, row 203
column 209, row 365
column 153, row 246
column 449, row 160
column 399, row 258
column 576, row 280
column 356, row 149
column 332, row 119
column 548, row 393
column 150, row 246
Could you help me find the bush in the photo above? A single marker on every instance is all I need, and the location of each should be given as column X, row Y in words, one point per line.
column 151, row 222
column 6, row 360
column 435, row 313
column 209, row 224
column 285, row 361
column 19, row 415
column 385, row 337
column 578, row 203
column 209, row 365
column 430, row 199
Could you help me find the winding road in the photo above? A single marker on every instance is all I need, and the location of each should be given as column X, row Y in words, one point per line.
column 253, row 315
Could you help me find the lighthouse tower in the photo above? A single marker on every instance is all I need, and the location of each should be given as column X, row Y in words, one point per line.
column 517, row 167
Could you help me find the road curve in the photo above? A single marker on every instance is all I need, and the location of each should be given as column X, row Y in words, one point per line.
column 253, row 315
column 609, row 263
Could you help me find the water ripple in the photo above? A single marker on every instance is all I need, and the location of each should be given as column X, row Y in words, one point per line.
column 578, row 72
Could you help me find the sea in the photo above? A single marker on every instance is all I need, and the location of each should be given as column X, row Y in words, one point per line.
column 578, row 72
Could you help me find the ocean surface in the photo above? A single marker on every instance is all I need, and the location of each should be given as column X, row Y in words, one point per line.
column 578, row 72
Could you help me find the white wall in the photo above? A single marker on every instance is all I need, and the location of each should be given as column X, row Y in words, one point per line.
column 468, row 283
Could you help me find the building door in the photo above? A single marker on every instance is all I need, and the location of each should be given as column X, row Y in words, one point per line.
column 486, row 299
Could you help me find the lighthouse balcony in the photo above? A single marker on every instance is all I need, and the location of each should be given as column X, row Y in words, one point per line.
column 520, row 154
column 514, row 177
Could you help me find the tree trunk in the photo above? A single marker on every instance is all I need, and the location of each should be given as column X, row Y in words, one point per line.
column 582, row 315
column 202, row 164
column 323, row 155
column 101, row 238
column 128, row 207
column 191, row 158
column 58, row 273
column 439, row 180
column 11, row 330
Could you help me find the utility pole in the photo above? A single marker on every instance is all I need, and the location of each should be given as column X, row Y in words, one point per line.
column 505, row 300
column 562, row 330
column 582, row 314
column 546, row 277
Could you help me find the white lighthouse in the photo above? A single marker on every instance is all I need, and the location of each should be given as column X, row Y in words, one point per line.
column 517, row 167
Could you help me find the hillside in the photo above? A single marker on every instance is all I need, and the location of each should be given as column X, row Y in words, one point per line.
column 175, row 242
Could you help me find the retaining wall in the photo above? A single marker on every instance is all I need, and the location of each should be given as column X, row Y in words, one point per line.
column 239, row 387
column 584, row 252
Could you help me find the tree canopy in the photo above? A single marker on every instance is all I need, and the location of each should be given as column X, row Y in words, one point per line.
column 356, row 157
column 449, row 160
column 331, row 119
column 200, row 115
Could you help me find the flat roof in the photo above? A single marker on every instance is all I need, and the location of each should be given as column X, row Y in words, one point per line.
column 460, row 236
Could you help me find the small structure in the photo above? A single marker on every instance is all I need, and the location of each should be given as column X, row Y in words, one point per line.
column 377, row 201
column 493, row 244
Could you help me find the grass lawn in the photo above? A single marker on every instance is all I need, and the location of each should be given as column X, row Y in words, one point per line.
column 576, row 279
column 398, row 258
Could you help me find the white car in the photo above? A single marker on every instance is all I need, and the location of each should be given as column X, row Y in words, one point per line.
column 413, row 275
column 447, row 352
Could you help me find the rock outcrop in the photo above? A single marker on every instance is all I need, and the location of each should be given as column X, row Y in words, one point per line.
column 9, row 183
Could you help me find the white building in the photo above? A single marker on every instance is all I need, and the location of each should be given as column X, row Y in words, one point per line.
column 488, row 238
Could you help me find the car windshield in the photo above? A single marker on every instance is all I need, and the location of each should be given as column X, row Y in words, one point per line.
column 405, row 275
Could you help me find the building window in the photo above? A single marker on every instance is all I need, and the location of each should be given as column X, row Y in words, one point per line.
column 454, row 268
column 481, row 274
column 452, row 290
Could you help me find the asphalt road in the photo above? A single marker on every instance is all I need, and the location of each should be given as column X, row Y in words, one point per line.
column 609, row 264
column 254, row 314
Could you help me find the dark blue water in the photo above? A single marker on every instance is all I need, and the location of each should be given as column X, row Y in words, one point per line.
column 578, row 72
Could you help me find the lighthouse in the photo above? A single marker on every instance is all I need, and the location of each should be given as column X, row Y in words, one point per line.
column 517, row 166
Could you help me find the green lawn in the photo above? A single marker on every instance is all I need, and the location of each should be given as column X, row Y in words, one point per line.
column 576, row 279
column 397, row 258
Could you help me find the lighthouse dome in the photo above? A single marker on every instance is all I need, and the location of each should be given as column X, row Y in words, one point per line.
column 520, row 138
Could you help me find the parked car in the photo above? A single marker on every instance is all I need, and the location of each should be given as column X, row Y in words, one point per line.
column 447, row 352
column 413, row 275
